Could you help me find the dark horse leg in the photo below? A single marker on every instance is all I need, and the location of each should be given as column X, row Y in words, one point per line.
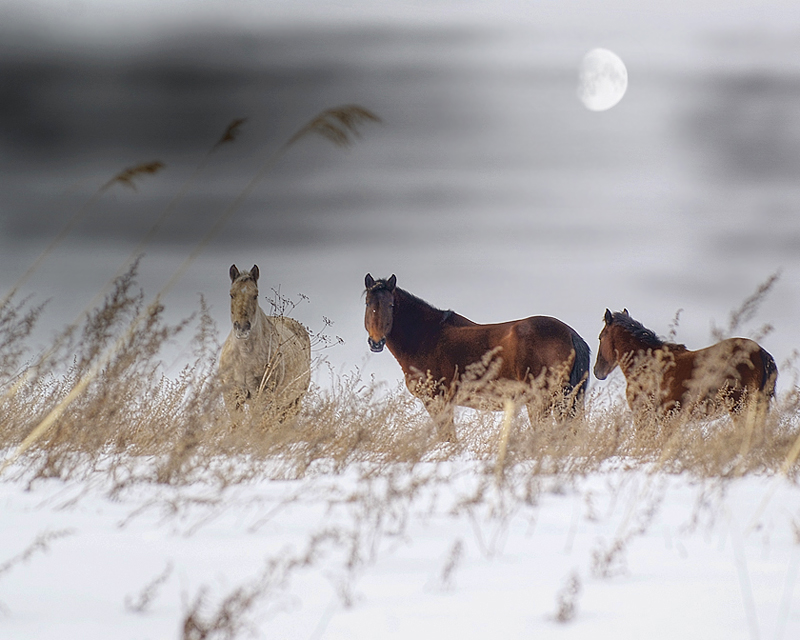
column 442, row 413
column 552, row 398
column 537, row 411
column 438, row 401
column 546, row 404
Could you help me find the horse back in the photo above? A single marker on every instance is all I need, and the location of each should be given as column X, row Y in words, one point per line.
column 546, row 338
column 292, row 339
column 525, row 347
column 738, row 363
column 453, row 319
column 291, row 330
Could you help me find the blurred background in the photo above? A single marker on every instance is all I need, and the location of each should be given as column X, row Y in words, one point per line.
column 488, row 188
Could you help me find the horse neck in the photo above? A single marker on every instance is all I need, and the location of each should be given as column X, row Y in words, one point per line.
column 628, row 348
column 413, row 321
column 261, row 330
column 266, row 329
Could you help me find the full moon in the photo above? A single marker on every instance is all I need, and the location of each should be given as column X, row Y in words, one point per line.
column 602, row 80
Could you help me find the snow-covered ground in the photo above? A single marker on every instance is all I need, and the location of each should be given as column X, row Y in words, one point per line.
column 621, row 554
column 488, row 189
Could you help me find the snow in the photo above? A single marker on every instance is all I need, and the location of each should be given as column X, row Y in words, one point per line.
column 699, row 558
column 486, row 173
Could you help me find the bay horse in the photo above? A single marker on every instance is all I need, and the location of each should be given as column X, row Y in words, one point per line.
column 538, row 359
column 266, row 360
column 664, row 376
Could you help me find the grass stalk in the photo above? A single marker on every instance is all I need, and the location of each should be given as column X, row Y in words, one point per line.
column 338, row 125
column 126, row 177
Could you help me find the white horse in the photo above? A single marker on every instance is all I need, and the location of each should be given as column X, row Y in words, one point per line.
column 266, row 360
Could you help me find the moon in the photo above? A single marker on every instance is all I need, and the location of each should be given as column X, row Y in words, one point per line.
column 602, row 80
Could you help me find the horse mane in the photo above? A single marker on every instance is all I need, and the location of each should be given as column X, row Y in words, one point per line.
column 448, row 317
column 380, row 285
column 642, row 333
column 416, row 300
column 245, row 277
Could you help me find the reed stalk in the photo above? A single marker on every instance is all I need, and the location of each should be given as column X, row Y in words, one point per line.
column 339, row 125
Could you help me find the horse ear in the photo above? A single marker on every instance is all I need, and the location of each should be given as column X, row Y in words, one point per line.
column 391, row 282
column 608, row 317
column 255, row 273
column 369, row 281
column 234, row 272
column 625, row 311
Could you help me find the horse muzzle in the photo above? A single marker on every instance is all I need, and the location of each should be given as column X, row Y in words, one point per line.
column 376, row 347
column 600, row 372
column 242, row 330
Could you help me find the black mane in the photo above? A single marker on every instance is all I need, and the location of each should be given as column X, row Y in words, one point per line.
column 380, row 285
column 417, row 301
column 383, row 285
column 447, row 317
column 640, row 332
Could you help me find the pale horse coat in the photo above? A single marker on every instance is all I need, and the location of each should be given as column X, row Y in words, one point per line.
column 266, row 360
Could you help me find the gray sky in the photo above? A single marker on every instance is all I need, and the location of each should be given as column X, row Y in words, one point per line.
column 486, row 170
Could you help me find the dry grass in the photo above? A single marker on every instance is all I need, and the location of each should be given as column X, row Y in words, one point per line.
column 41, row 544
column 132, row 425
column 567, row 599
column 138, row 425
column 141, row 603
column 127, row 177
column 338, row 125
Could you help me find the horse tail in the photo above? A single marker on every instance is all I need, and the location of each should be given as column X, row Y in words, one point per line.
column 579, row 376
column 769, row 373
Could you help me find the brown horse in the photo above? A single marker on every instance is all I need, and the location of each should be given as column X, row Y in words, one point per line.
column 439, row 351
column 664, row 376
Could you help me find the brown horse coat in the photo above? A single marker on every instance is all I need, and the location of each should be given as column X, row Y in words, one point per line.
column 670, row 376
column 439, row 347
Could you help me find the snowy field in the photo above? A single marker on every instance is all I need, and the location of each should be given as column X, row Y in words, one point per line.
column 486, row 188
column 620, row 554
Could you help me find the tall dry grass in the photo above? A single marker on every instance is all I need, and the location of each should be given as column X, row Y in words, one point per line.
column 137, row 424
column 340, row 125
column 132, row 425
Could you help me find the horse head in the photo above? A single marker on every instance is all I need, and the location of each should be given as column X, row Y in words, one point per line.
column 606, row 353
column 380, row 310
column 244, row 300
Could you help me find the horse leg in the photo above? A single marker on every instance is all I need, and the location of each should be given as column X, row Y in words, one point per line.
column 234, row 403
column 537, row 412
column 574, row 398
column 545, row 403
column 564, row 404
column 761, row 411
column 751, row 418
column 290, row 409
column 442, row 413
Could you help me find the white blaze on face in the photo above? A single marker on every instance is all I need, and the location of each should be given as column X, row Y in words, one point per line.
column 602, row 80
